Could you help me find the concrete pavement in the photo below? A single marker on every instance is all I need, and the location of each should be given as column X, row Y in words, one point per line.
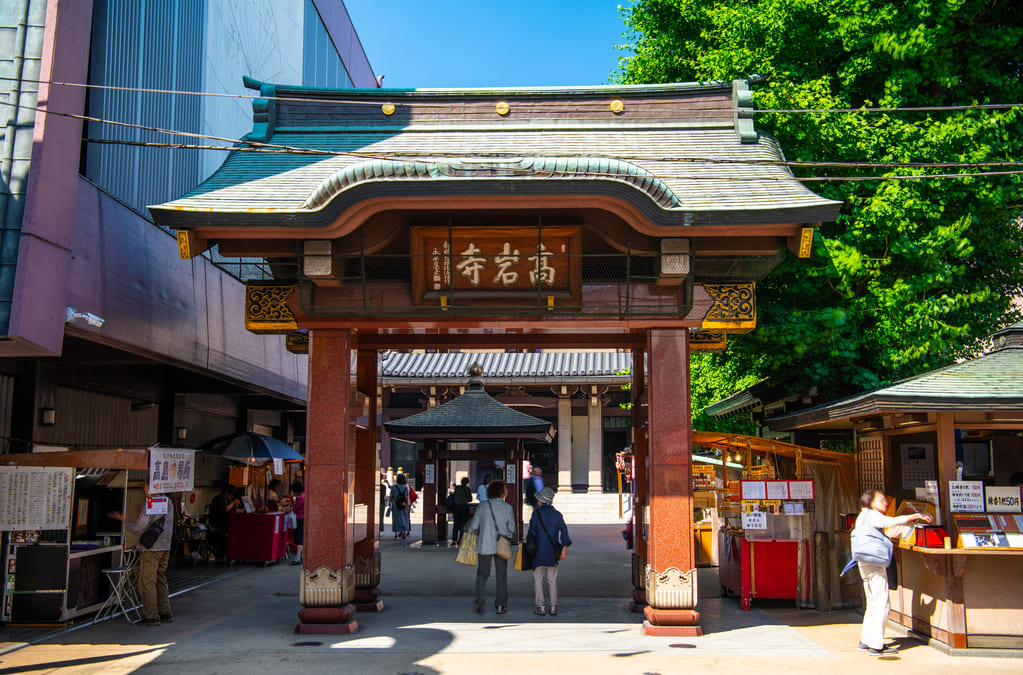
column 244, row 624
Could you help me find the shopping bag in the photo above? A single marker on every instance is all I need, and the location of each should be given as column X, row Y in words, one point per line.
column 523, row 561
column 467, row 550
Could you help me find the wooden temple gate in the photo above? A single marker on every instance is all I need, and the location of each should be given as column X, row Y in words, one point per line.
column 635, row 218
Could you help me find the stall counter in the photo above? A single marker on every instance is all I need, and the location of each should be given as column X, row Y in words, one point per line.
column 961, row 598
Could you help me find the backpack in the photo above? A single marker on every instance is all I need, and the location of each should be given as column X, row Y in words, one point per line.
column 401, row 499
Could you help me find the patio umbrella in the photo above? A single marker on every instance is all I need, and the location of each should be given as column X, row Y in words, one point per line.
column 250, row 448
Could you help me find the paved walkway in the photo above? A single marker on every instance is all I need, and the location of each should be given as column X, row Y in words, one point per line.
column 244, row 624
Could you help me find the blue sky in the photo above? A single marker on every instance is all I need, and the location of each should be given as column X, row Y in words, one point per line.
column 490, row 43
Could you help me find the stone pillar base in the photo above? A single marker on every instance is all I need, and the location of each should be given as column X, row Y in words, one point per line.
column 672, row 622
column 368, row 600
column 326, row 620
column 638, row 602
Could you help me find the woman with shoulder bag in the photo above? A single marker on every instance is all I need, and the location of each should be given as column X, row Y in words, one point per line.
column 872, row 551
column 493, row 519
column 548, row 529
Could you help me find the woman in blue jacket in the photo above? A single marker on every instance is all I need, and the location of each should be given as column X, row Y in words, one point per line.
column 548, row 528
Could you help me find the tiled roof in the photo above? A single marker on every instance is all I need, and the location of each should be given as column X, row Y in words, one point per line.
column 993, row 381
column 474, row 414
column 689, row 149
column 552, row 367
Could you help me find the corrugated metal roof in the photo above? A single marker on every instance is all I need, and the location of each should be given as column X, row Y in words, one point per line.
column 530, row 367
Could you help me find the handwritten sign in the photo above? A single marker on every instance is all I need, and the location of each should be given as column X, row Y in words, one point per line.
column 35, row 498
column 171, row 470
column 777, row 489
column 966, row 496
column 1002, row 499
column 756, row 520
column 754, row 489
column 428, row 474
column 800, row 489
column 509, row 472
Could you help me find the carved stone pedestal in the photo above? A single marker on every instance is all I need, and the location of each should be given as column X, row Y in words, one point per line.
column 368, row 600
column 326, row 620
column 672, row 596
column 367, row 580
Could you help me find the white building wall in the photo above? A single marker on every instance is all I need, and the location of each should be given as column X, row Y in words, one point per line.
column 259, row 38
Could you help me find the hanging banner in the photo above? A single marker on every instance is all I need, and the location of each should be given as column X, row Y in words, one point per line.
column 278, row 466
column 171, row 470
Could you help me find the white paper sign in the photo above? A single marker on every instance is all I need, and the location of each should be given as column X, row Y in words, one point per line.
column 754, row 489
column 278, row 466
column 35, row 498
column 777, row 489
column 966, row 496
column 794, row 508
column 800, row 489
column 171, row 470
column 428, row 473
column 754, row 521
column 156, row 506
column 509, row 472
column 1002, row 499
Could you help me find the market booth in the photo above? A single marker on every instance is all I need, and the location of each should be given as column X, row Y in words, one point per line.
column 951, row 440
column 780, row 523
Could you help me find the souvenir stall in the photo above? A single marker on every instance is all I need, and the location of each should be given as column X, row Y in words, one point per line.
column 57, row 536
column 768, row 518
column 254, row 535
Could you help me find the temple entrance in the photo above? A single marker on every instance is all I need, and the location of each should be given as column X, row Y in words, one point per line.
column 628, row 220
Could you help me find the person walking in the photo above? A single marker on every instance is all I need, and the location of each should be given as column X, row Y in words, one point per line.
column 460, row 501
column 869, row 539
column 494, row 518
column 153, row 590
column 533, row 485
column 548, row 528
column 401, row 507
column 298, row 508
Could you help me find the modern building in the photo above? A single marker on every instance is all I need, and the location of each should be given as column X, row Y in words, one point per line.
column 106, row 338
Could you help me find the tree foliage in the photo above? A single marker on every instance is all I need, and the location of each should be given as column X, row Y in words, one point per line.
column 915, row 273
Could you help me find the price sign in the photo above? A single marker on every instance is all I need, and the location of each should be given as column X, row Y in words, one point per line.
column 754, row 521
column 1002, row 499
column 966, row 496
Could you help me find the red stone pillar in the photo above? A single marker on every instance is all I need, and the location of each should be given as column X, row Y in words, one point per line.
column 327, row 584
column 640, row 499
column 670, row 571
column 367, row 482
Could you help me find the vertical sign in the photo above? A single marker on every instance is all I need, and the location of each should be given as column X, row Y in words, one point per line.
column 510, row 474
column 428, row 473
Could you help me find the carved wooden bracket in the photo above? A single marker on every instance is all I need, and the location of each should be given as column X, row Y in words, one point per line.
column 734, row 309
column 266, row 307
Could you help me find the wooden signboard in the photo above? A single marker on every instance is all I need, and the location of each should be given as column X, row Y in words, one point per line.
column 496, row 263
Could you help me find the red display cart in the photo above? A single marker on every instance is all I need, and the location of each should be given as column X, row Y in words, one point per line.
column 257, row 537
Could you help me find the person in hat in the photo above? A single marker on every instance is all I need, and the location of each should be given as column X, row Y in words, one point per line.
column 548, row 528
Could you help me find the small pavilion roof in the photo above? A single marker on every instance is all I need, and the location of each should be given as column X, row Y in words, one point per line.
column 475, row 415
column 684, row 154
column 993, row 381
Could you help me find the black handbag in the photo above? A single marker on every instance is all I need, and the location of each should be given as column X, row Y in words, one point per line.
column 152, row 533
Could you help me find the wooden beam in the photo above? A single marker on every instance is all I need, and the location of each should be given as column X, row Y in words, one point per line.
column 501, row 341
column 115, row 458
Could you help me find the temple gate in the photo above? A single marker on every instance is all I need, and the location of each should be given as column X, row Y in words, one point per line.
column 636, row 218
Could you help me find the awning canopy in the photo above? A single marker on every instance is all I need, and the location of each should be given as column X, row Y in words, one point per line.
column 766, row 446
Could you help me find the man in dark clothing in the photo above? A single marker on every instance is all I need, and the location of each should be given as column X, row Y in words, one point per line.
column 460, row 507
column 224, row 503
column 533, row 485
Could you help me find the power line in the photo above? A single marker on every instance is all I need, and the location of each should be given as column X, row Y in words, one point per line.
column 580, row 104
column 599, row 174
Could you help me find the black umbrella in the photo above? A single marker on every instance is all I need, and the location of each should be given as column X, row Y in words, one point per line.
column 250, row 448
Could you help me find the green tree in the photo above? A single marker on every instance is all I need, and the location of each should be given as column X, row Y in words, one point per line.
column 915, row 273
